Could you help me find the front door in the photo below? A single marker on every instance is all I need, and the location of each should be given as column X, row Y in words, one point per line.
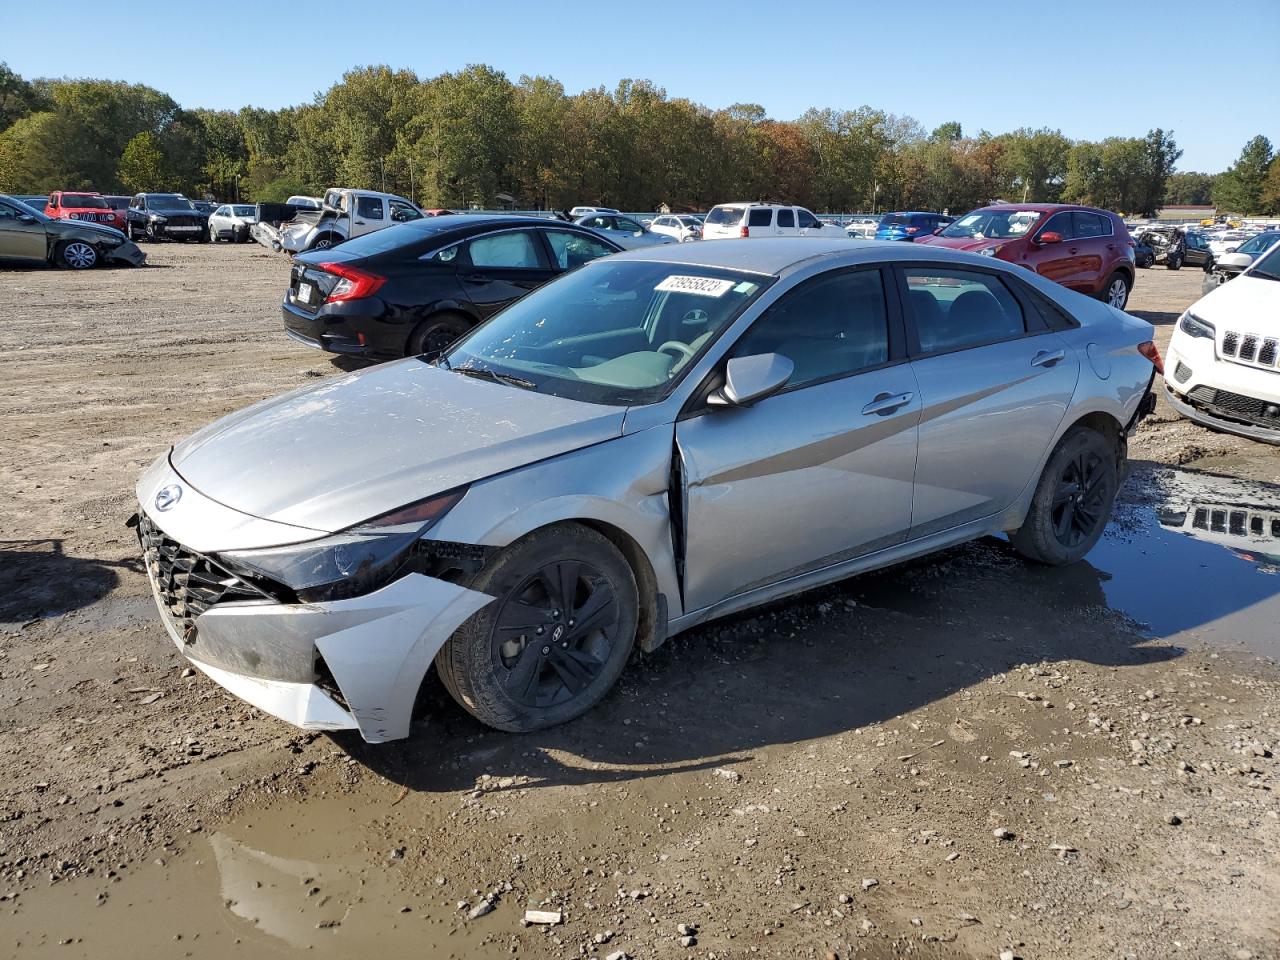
column 499, row 268
column 19, row 240
column 816, row 474
column 1056, row 261
column 994, row 384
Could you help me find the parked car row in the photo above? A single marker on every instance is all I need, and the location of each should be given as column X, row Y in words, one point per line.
column 28, row 235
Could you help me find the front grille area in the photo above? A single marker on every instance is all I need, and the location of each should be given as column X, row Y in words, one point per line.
column 181, row 222
column 189, row 583
column 1250, row 348
column 1181, row 372
column 1237, row 406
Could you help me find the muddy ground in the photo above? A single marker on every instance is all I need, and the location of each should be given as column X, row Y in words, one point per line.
column 956, row 758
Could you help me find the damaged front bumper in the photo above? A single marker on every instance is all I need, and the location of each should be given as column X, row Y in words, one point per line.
column 127, row 252
column 346, row 664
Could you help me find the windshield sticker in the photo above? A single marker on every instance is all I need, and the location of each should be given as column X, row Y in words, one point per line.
column 702, row 286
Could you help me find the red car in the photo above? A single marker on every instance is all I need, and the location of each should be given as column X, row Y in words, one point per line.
column 1083, row 248
column 64, row 205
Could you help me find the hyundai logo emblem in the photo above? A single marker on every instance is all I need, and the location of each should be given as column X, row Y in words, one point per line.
column 167, row 496
column 556, row 634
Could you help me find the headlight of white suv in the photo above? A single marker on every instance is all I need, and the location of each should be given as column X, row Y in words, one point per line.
column 1193, row 326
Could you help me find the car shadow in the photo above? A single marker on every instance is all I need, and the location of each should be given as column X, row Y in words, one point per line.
column 1157, row 318
column 349, row 364
column 38, row 580
column 831, row 661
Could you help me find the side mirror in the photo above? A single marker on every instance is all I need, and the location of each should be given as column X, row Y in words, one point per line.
column 27, row 218
column 748, row 380
column 1049, row 236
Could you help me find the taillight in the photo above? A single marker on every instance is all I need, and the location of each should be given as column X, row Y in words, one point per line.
column 745, row 232
column 354, row 283
column 1149, row 350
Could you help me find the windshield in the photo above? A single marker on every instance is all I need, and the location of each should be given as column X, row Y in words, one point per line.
column 982, row 224
column 243, row 210
column 83, row 201
column 724, row 215
column 1259, row 243
column 1267, row 267
column 613, row 332
column 168, row 201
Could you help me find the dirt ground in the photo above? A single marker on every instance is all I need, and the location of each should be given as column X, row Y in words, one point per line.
column 964, row 757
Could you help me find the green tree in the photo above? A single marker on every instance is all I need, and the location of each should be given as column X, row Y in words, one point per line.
column 1186, row 188
column 1239, row 190
column 142, row 165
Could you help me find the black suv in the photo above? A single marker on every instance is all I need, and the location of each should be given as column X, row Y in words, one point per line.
column 168, row 216
column 416, row 287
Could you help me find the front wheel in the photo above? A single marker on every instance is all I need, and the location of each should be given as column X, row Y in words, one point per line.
column 77, row 255
column 1073, row 500
column 1116, row 292
column 556, row 637
column 1174, row 263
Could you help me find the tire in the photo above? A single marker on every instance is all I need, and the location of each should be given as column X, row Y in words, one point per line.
column 150, row 230
column 76, row 255
column 436, row 333
column 1059, row 528
column 325, row 241
column 1115, row 292
column 503, row 665
column 1173, row 263
column 213, row 236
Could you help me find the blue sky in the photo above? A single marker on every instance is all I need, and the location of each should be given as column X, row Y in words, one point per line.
column 1090, row 68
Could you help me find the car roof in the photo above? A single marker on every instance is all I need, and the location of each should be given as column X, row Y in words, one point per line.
column 775, row 256
column 1041, row 207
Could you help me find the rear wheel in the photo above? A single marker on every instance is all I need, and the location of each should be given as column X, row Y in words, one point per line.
column 76, row 255
column 1073, row 500
column 1174, row 262
column 555, row 639
column 324, row 242
column 1116, row 291
column 437, row 332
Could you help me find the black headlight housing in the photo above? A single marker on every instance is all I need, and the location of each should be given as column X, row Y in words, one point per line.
column 1193, row 326
column 347, row 564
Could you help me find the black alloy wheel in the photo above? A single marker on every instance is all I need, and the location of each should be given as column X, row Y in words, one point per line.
column 1080, row 502
column 554, row 633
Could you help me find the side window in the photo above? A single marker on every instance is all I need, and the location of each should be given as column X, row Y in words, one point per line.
column 574, row 249
column 1060, row 223
column 402, row 212
column 832, row 326
column 597, row 223
column 786, row 217
column 807, row 219
column 370, row 207
column 1087, row 225
column 629, row 225
column 513, row 249
column 954, row 309
column 760, row 217
column 7, row 212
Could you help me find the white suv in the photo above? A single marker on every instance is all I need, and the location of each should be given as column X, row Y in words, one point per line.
column 764, row 220
column 1223, row 368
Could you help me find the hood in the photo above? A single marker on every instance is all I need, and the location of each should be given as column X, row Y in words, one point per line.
column 971, row 244
column 80, row 227
column 1246, row 303
column 177, row 212
column 334, row 454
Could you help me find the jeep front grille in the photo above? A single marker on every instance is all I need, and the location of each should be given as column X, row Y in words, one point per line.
column 1251, row 349
column 188, row 583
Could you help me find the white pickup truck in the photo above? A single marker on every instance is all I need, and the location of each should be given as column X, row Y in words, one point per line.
column 344, row 213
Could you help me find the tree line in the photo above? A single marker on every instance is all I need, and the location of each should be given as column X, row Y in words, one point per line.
column 474, row 137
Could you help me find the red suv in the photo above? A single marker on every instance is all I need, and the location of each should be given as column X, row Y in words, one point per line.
column 91, row 207
column 1083, row 248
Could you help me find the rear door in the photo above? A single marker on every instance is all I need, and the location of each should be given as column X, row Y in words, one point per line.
column 995, row 383
column 786, row 222
column 369, row 215
column 818, row 473
column 21, row 241
column 1056, row 261
column 496, row 269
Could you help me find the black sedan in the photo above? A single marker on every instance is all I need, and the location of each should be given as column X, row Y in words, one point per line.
column 416, row 287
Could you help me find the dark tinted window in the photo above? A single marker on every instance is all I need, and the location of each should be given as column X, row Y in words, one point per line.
column 1060, row 223
column 370, row 207
column 829, row 327
column 954, row 309
column 724, row 215
column 1088, row 225
column 760, row 217
column 786, row 218
column 807, row 219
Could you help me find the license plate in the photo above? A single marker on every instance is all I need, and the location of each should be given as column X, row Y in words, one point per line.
column 182, row 229
column 304, row 292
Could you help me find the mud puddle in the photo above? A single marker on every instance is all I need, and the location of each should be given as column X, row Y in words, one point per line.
column 1197, row 557
column 276, row 881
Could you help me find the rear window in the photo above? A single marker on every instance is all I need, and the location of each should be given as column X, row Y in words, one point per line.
column 897, row 220
column 760, row 218
column 725, row 216
column 392, row 238
column 244, row 210
column 83, row 201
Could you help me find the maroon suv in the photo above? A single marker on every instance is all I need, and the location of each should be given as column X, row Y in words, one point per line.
column 1083, row 248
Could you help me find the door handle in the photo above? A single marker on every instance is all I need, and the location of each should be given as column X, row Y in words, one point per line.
column 1046, row 358
column 886, row 403
column 360, row 223
column 1073, row 249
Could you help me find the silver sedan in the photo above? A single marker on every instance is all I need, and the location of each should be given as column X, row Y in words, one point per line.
column 624, row 231
column 657, row 439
